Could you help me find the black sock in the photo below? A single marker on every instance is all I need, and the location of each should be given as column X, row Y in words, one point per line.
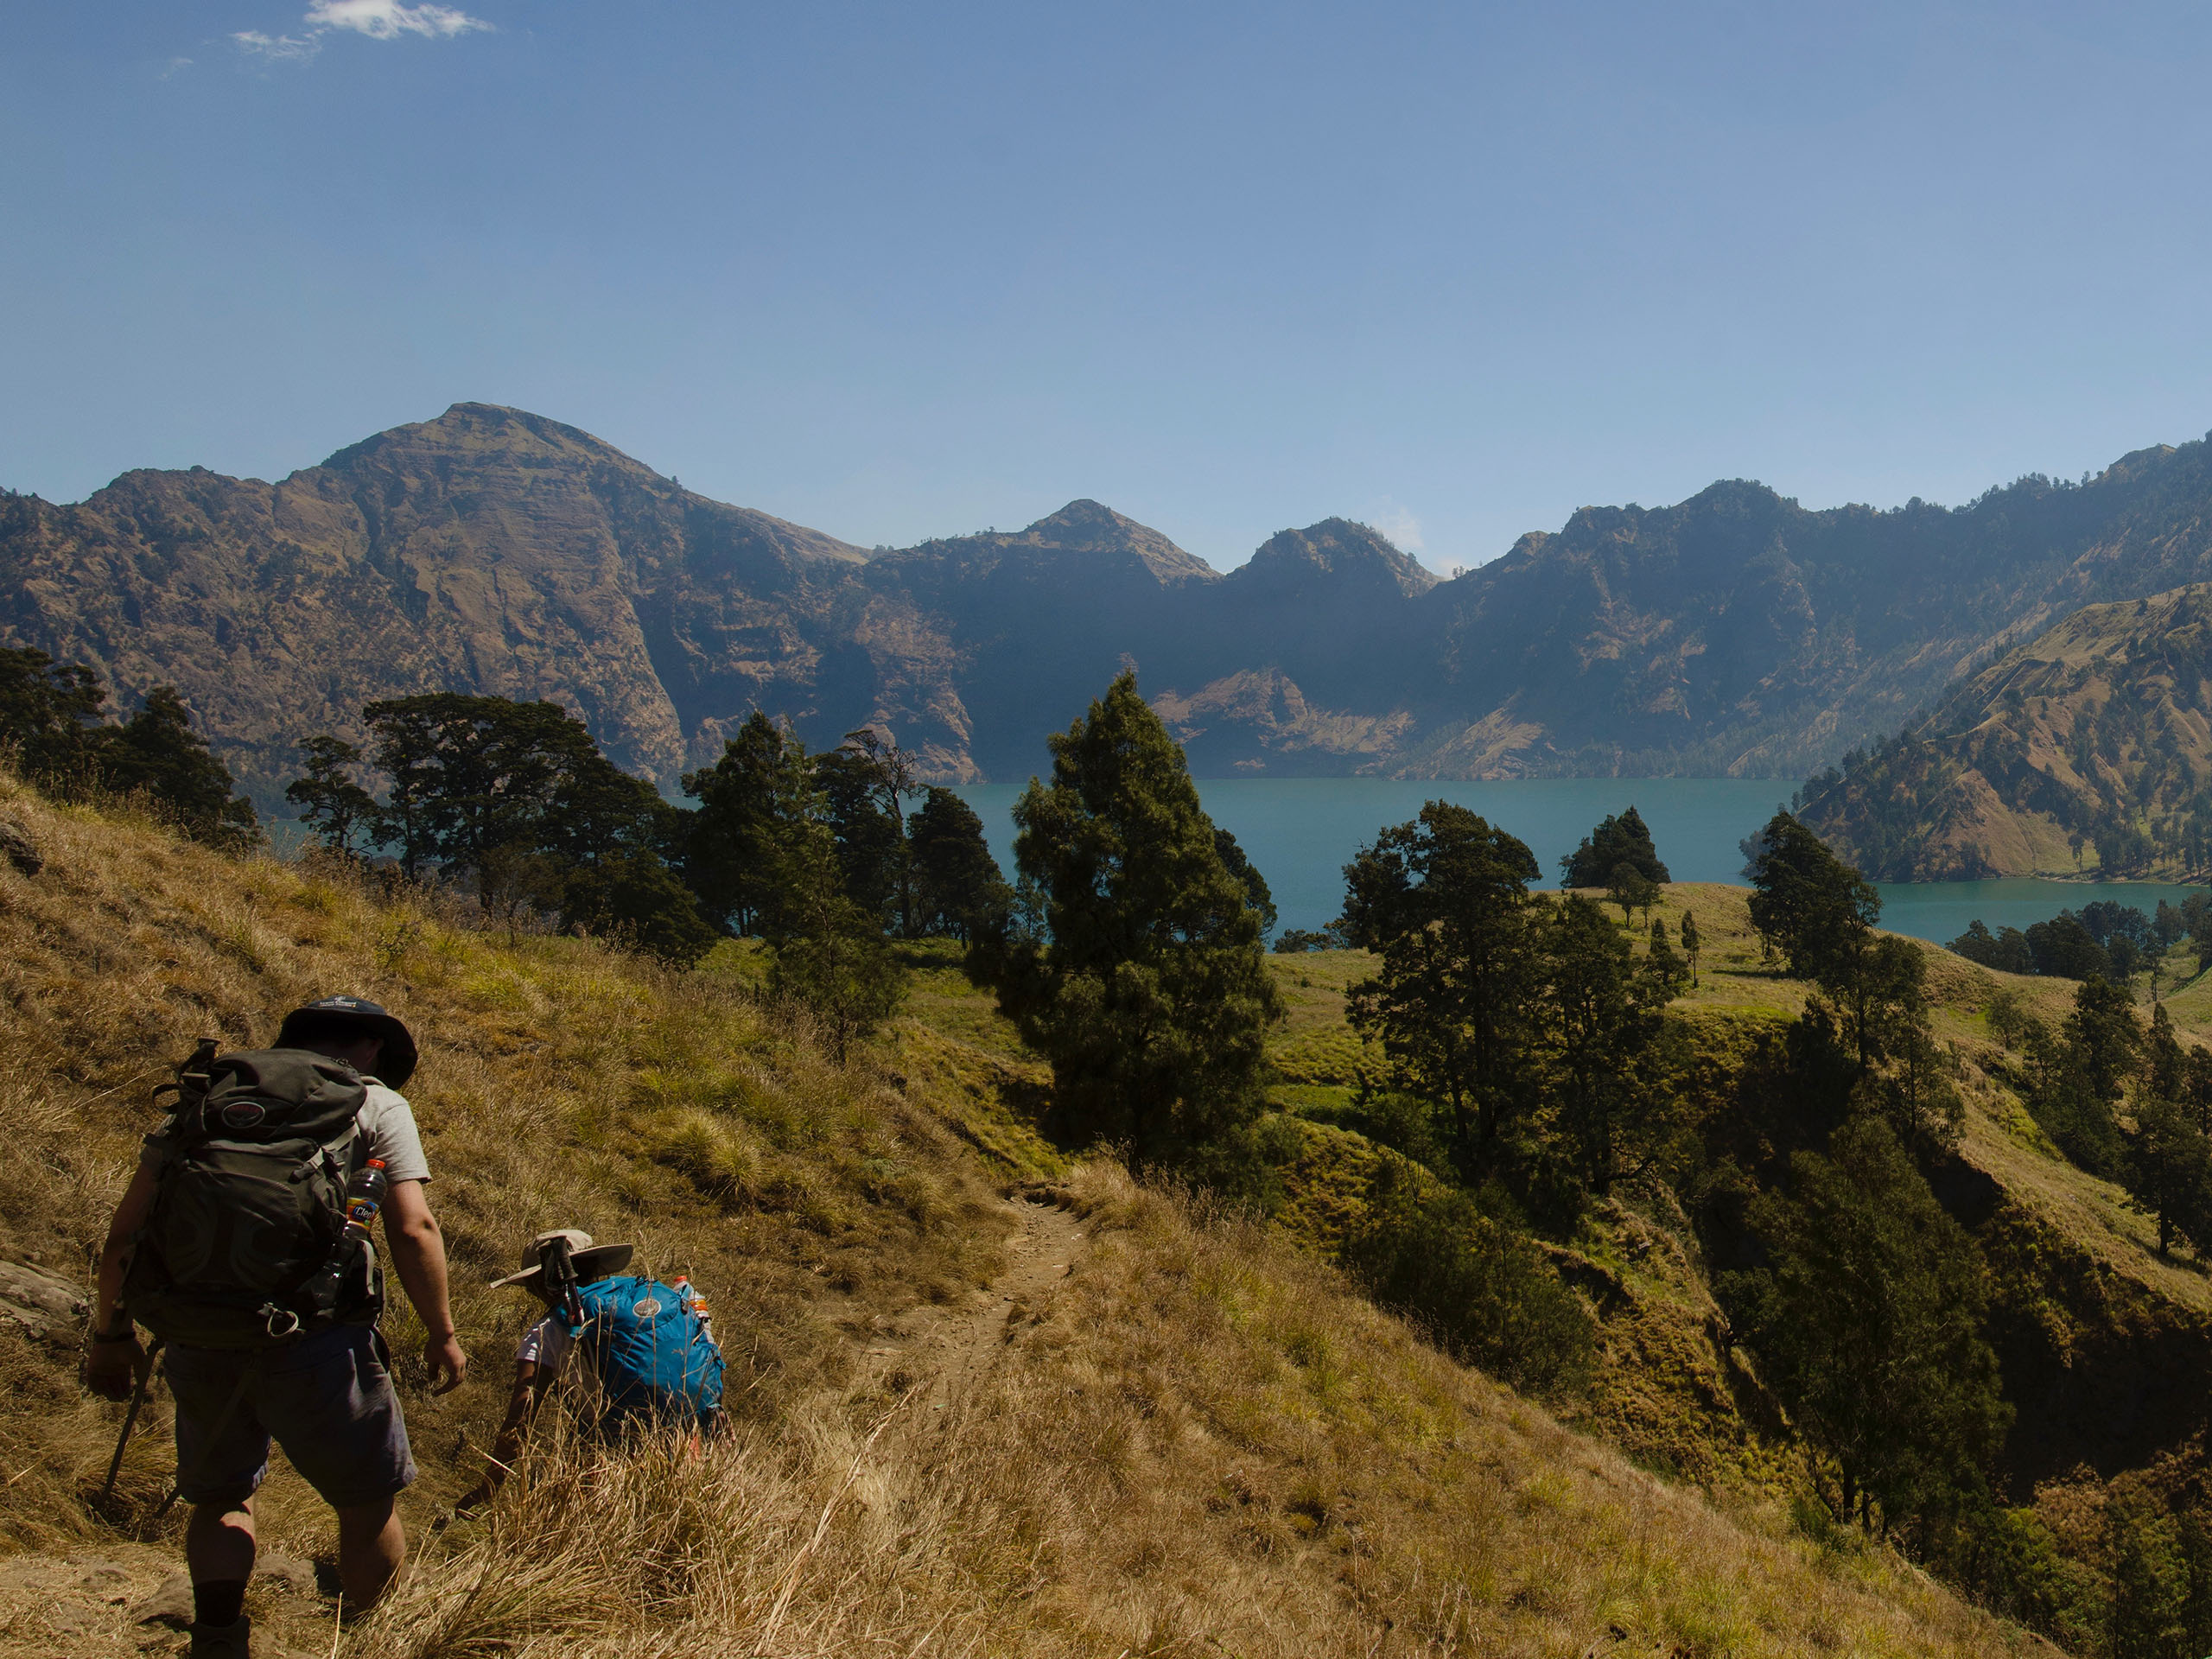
column 219, row 1601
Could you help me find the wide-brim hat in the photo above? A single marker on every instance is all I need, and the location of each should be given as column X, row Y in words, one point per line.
column 395, row 1064
column 591, row 1260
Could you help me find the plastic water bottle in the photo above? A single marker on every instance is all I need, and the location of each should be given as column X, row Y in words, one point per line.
column 691, row 1298
column 365, row 1196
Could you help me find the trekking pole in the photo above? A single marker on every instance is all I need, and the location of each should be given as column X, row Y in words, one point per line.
column 129, row 1421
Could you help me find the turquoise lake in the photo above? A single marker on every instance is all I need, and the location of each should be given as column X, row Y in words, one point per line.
column 1302, row 831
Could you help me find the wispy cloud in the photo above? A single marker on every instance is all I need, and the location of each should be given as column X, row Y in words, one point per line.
column 380, row 20
column 387, row 20
column 1399, row 524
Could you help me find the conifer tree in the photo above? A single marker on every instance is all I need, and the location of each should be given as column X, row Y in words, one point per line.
column 48, row 712
column 2168, row 1172
column 1691, row 944
column 1147, row 987
column 157, row 752
column 331, row 803
column 516, row 799
column 1443, row 900
column 1806, row 902
column 868, row 833
column 759, row 835
column 1869, row 1320
column 1247, row 874
column 958, row 887
column 1616, row 841
column 1600, row 1013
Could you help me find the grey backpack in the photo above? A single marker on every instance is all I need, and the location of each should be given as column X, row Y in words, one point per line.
column 248, row 1219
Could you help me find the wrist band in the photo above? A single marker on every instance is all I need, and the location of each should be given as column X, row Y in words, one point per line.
column 130, row 1335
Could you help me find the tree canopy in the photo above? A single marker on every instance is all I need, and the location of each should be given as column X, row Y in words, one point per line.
column 1146, row 986
column 1617, row 840
column 1806, row 902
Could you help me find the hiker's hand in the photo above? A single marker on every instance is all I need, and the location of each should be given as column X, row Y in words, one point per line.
column 112, row 1368
column 444, row 1357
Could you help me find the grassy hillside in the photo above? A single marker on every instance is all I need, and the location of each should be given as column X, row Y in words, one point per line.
column 2104, row 1342
column 986, row 1402
column 2089, row 748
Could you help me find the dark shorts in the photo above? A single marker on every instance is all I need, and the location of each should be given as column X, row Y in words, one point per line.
column 326, row 1400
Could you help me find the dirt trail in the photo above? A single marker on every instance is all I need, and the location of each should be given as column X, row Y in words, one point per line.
column 941, row 1352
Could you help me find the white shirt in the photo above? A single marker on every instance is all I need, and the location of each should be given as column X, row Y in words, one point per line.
column 547, row 1345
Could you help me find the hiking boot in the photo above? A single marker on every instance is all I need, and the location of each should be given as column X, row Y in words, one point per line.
column 221, row 1640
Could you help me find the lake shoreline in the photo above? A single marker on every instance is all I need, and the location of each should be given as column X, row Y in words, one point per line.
column 1301, row 831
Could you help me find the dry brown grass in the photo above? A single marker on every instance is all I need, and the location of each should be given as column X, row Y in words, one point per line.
column 1199, row 1442
column 562, row 1083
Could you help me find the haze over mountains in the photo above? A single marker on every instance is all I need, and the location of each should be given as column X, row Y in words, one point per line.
column 496, row 551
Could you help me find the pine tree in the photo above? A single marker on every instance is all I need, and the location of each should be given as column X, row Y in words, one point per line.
column 1616, row 841
column 1664, row 965
column 959, row 889
column 759, row 835
column 1147, row 987
column 1869, row 1320
column 1443, row 900
column 48, row 712
column 331, row 803
column 1247, row 874
column 1691, row 944
column 1599, row 1013
column 868, row 833
column 516, row 800
column 1806, row 902
column 156, row 751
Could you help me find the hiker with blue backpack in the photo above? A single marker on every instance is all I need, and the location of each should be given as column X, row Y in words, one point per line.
column 649, row 1351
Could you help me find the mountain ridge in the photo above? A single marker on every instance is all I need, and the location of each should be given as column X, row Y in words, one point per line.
column 499, row 551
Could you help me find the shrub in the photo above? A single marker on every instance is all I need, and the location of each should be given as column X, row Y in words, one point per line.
column 1483, row 1290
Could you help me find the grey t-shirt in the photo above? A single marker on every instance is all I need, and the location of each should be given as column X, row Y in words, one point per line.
column 388, row 1132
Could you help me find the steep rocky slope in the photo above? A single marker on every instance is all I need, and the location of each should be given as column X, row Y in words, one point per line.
column 496, row 551
column 2090, row 747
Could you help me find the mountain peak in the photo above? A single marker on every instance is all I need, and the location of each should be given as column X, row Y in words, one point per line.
column 476, row 430
column 1342, row 549
column 1088, row 526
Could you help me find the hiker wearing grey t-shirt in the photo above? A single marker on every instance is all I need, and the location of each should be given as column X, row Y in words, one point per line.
column 317, row 1382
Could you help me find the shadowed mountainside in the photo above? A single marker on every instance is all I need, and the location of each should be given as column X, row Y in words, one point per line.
column 495, row 551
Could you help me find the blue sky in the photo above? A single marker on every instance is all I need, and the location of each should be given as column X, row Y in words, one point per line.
column 897, row 271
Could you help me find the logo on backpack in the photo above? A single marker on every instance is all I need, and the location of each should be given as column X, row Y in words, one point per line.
column 248, row 1213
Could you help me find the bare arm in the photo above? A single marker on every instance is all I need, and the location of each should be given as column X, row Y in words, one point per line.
column 111, row 1366
column 419, row 1256
column 532, row 1381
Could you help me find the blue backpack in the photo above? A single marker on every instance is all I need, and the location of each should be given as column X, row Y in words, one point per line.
column 651, row 1351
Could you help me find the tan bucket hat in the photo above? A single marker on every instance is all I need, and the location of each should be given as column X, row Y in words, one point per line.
column 592, row 1261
